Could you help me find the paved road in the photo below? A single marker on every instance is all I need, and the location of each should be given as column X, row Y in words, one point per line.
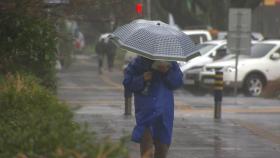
column 250, row 127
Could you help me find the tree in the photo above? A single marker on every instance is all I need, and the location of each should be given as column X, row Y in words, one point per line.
column 34, row 8
column 100, row 16
column 27, row 46
column 245, row 3
column 181, row 12
column 188, row 13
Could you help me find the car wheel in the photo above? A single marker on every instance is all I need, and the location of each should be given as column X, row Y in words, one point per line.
column 253, row 85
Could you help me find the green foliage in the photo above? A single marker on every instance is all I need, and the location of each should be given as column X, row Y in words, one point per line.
column 34, row 123
column 101, row 16
column 28, row 45
column 194, row 13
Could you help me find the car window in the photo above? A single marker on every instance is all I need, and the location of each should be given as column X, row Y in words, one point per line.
column 222, row 47
column 198, row 38
column 277, row 51
column 221, row 52
column 205, row 48
column 260, row 50
column 203, row 38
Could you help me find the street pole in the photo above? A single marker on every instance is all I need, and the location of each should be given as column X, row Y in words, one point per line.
column 239, row 37
column 237, row 56
column 149, row 12
column 236, row 74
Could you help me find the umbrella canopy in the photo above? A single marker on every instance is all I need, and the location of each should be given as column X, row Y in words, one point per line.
column 155, row 40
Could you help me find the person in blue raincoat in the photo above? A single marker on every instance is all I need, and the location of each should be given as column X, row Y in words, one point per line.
column 154, row 103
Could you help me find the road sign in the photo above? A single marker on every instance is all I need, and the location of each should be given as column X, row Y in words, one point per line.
column 239, row 43
column 239, row 36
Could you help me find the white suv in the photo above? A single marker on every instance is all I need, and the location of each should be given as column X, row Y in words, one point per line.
column 254, row 70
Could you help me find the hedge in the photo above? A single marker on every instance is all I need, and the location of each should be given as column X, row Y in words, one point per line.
column 35, row 124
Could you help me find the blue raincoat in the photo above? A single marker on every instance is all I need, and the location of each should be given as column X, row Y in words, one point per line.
column 154, row 102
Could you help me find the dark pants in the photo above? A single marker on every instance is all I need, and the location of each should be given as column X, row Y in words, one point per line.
column 100, row 62
column 110, row 60
column 127, row 101
column 127, row 93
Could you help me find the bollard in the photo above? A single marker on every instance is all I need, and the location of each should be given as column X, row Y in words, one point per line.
column 127, row 102
column 218, row 94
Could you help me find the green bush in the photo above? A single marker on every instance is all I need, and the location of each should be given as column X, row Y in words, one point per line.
column 35, row 124
column 28, row 45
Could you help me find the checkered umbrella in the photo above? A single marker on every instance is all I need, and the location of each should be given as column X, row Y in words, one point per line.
column 155, row 40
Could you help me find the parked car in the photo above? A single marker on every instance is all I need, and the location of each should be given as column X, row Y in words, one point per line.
column 210, row 51
column 254, row 70
column 198, row 36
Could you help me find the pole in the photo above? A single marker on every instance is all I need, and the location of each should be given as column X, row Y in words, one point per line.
column 237, row 56
column 236, row 74
column 149, row 15
column 218, row 94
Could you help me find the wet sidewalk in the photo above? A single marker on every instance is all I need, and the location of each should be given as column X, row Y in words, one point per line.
column 244, row 131
column 195, row 135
